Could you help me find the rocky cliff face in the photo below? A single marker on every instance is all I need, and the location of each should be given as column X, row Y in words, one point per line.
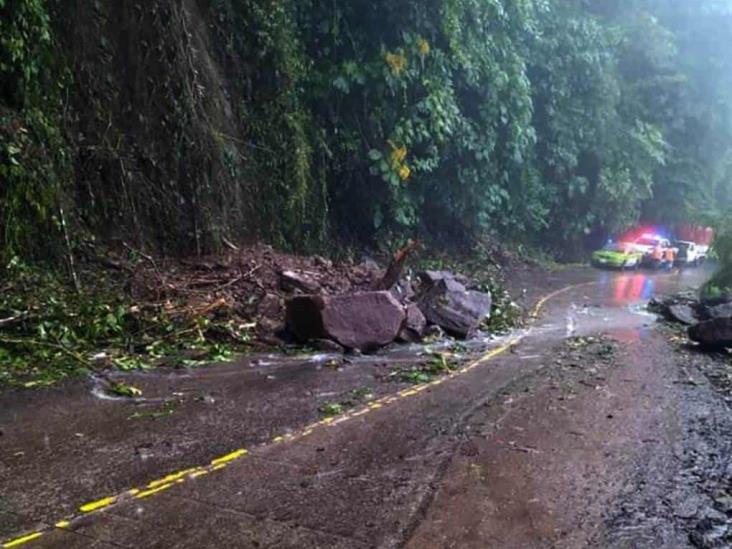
column 155, row 139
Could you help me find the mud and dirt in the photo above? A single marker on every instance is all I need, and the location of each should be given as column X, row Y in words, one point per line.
column 598, row 429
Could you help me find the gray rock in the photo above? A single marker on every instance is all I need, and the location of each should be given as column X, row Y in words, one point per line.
column 414, row 326
column 326, row 345
column 682, row 313
column 434, row 332
column 724, row 503
column 291, row 281
column 270, row 306
column 456, row 310
column 430, row 278
column 363, row 320
column 724, row 310
column 403, row 291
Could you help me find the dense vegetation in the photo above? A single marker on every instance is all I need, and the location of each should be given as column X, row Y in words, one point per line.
column 179, row 127
column 543, row 122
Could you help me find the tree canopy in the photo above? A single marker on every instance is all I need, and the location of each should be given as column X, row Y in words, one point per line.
column 544, row 122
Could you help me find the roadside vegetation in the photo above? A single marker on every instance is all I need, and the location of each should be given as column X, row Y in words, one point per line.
column 546, row 123
column 541, row 126
column 50, row 331
column 721, row 282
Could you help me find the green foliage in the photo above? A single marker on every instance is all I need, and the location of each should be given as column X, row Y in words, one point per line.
column 548, row 123
column 350, row 400
column 166, row 410
column 119, row 388
column 439, row 364
column 721, row 282
column 33, row 161
column 49, row 331
column 269, row 74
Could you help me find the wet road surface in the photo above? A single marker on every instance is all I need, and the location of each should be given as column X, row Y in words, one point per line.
column 560, row 441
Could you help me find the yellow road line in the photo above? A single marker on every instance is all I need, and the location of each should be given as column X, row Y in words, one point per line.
column 156, row 486
column 98, row 504
column 147, row 493
column 229, row 457
column 17, row 542
column 170, row 478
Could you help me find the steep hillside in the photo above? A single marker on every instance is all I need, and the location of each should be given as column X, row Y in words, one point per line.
column 183, row 125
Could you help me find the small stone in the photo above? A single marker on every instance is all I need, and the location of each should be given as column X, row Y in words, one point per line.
column 724, row 503
column 326, row 345
column 270, row 306
column 414, row 326
column 291, row 281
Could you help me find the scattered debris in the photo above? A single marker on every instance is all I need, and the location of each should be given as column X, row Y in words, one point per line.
column 138, row 312
column 350, row 400
column 439, row 363
column 166, row 411
column 122, row 389
column 394, row 271
column 292, row 281
column 331, row 409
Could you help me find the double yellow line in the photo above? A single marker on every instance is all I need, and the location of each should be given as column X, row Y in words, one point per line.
column 179, row 477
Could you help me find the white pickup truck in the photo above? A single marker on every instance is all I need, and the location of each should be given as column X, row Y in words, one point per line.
column 691, row 253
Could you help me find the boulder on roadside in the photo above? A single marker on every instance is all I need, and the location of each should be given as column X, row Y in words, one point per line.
column 715, row 333
column 455, row 309
column 717, row 300
column 430, row 278
column 362, row 320
column 682, row 313
column 291, row 281
column 723, row 310
column 414, row 325
column 683, row 308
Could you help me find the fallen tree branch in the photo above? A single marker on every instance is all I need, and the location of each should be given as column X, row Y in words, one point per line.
column 35, row 343
column 13, row 320
column 229, row 244
column 394, row 271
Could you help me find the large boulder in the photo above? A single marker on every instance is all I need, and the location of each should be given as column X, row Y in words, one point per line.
column 363, row 320
column 715, row 333
column 723, row 310
column 455, row 309
column 682, row 313
column 430, row 278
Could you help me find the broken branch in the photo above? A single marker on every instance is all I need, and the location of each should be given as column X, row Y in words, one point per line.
column 394, row 271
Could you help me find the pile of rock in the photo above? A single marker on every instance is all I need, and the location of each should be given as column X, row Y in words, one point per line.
column 366, row 320
column 709, row 320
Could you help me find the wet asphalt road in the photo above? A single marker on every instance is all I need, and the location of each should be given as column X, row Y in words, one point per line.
column 529, row 449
